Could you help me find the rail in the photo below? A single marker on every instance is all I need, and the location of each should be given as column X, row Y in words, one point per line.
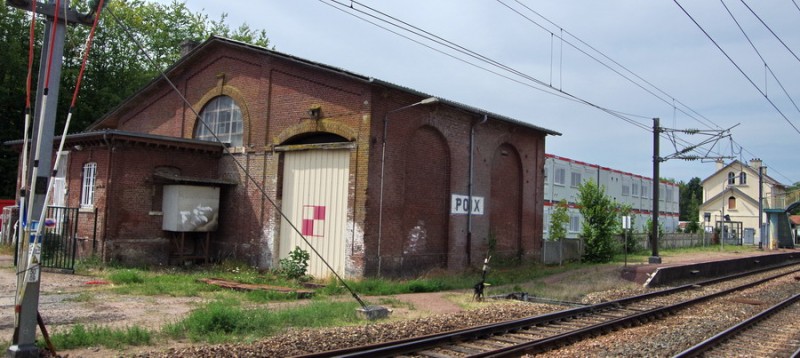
column 614, row 315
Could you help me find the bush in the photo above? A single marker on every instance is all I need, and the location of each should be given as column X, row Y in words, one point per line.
column 294, row 267
column 600, row 222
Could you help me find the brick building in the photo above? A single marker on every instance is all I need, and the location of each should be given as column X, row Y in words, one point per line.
column 377, row 177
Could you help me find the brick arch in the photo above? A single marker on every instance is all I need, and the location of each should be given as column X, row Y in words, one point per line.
column 315, row 126
column 238, row 98
column 505, row 203
column 425, row 216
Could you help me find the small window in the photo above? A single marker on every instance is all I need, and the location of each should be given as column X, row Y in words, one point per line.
column 574, row 223
column 645, row 191
column 561, row 176
column 626, row 190
column 635, row 189
column 731, row 178
column 731, row 203
column 87, row 185
column 575, row 180
column 742, row 178
column 220, row 120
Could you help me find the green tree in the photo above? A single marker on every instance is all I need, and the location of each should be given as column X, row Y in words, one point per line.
column 117, row 67
column 13, row 71
column 600, row 222
column 691, row 195
column 558, row 221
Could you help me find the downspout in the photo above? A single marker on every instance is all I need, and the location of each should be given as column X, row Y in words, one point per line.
column 104, row 233
column 469, row 186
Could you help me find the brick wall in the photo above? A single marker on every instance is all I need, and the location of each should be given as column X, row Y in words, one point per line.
column 426, row 162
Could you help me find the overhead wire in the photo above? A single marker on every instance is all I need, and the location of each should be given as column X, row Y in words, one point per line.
column 774, row 106
column 692, row 113
column 461, row 49
column 674, row 139
column 770, row 30
column 768, row 68
column 438, row 40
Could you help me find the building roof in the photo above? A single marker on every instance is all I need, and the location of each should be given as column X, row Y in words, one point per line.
column 102, row 136
column 108, row 120
column 742, row 166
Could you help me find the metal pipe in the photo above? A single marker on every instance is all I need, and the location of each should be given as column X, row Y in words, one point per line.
column 429, row 100
column 469, row 186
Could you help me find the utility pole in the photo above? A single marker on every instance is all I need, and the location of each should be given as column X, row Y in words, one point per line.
column 27, row 298
column 654, row 258
column 714, row 136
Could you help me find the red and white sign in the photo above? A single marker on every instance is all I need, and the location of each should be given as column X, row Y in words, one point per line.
column 313, row 221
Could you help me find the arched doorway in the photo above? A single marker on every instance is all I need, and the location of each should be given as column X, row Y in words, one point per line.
column 505, row 205
column 314, row 200
column 426, row 205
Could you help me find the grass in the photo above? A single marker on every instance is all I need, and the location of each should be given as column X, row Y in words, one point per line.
column 225, row 321
column 81, row 336
column 6, row 249
column 233, row 316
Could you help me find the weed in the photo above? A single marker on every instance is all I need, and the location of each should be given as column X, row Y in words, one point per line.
column 294, row 267
column 226, row 320
column 82, row 336
column 126, row 277
column 7, row 249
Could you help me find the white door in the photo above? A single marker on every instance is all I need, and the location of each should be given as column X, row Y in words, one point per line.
column 315, row 186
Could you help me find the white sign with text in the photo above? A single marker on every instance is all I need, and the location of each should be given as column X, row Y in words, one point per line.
column 461, row 204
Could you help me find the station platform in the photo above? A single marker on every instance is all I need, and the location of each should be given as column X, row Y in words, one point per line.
column 682, row 269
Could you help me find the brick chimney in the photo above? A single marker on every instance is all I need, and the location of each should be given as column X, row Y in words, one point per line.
column 187, row 46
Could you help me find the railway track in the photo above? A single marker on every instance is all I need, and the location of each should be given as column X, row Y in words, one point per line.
column 774, row 332
column 543, row 333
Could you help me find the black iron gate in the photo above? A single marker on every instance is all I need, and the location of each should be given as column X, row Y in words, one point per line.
column 59, row 239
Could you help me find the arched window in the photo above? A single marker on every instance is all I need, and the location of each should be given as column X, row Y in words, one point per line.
column 731, row 178
column 742, row 178
column 731, row 203
column 223, row 118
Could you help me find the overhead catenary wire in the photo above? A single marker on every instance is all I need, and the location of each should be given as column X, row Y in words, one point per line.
column 766, row 66
column 774, row 106
column 691, row 114
column 770, row 30
column 413, row 30
column 404, row 26
column 238, row 163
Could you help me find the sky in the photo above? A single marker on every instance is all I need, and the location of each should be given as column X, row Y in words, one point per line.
column 646, row 59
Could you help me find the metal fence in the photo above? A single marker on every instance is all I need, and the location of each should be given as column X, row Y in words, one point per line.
column 59, row 241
